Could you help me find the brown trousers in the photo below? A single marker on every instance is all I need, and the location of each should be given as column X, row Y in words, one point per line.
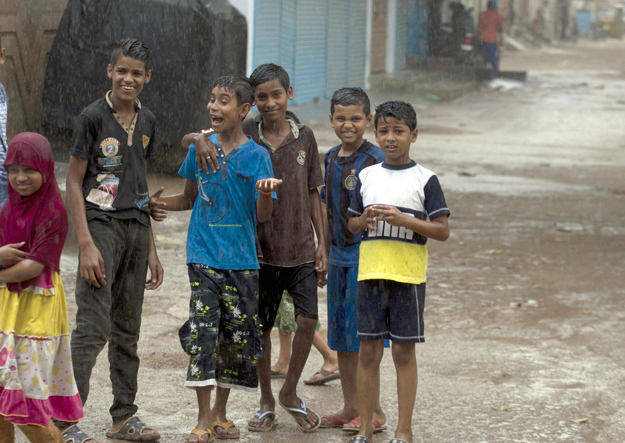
column 35, row 434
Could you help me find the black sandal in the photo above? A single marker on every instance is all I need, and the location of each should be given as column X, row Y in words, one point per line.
column 132, row 430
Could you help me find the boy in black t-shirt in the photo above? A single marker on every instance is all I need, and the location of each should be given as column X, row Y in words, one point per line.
column 107, row 193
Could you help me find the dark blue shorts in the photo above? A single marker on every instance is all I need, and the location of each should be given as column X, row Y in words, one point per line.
column 342, row 295
column 389, row 309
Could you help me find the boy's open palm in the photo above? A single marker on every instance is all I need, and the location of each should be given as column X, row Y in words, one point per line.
column 158, row 209
column 369, row 217
column 268, row 185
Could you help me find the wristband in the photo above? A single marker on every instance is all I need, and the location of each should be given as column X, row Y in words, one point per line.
column 264, row 193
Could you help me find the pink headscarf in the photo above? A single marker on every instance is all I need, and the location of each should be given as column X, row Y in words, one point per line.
column 40, row 219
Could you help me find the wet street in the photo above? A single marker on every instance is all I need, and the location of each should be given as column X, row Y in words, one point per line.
column 525, row 306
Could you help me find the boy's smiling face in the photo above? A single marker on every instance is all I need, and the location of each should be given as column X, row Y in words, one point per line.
column 272, row 100
column 224, row 110
column 128, row 75
column 349, row 123
column 394, row 137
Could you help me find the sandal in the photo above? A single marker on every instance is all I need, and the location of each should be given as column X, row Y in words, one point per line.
column 326, row 376
column 203, row 436
column 354, row 425
column 224, row 425
column 262, row 416
column 73, row 434
column 302, row 412
column 132, row 430
column 359, row 439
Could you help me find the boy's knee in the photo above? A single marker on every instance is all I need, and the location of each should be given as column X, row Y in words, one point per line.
column 371, row 352
column 403, row 354
column 306, row 324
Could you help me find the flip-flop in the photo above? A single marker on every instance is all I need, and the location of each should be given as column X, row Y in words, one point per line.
column 73, row 434
column 276, row 374
column 335, row 422
column 359, row 439
column 302, row 412
column 326, row 376
column 397, row 440
column 200, row 435
column 262, row 416
column 377, row 426
column 132, row 430
column 224, row 433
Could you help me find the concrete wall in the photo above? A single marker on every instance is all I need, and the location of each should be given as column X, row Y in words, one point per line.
column 28, row 28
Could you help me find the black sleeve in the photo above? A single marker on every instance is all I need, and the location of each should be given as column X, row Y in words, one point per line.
column 355, row 207
column 85, row 133
column 435, row 204
column 150, row 152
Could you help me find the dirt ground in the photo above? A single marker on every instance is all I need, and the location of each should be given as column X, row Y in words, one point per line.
column 525, row 312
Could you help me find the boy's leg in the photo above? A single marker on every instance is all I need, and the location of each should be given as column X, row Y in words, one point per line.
column 270, row 289
column 284, row 357
column 127, row 304
column 406, row 367
column 406, row 324
column 302, row 286
column 219, row 413
column 204, row 416
column 370, row 356
column 93, row 320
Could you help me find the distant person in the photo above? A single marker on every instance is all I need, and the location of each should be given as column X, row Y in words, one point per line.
column 350, row 116
column 36, row 375
column 539, row 22
column 107, row 194
column 491, row 33
column 223, row 335
column 4, row 112
column 400, row 204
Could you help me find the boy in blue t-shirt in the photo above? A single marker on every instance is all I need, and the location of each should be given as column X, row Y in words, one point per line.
column 400, row 204
column 223, row 335
column 350, row 116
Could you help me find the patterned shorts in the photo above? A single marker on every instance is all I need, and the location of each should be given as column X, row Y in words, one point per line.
column 222, row 335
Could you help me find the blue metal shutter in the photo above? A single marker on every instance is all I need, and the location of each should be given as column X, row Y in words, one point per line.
column 338, row 45
column 357, row 42
column 267, row 31
column 401, row 34
column 310, row 51
column 417, row 38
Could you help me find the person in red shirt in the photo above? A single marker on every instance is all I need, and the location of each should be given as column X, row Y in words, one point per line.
column 491, row 33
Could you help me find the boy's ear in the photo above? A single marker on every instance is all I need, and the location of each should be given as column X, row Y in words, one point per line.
column 331, row 120
column 148, row 76
column 245, row 109
column 2, row 56
column 413, row 135
column 289, row 92
column 369, row 119
column 109, row 71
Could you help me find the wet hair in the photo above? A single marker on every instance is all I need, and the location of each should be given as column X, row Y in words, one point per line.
column 400, row 110
column 268, row 72
column 238, row 84
column 292, row 116
column 131, row 47
column 351, row 96
column 491, row 5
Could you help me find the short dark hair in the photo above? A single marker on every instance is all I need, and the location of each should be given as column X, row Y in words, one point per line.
column 270, row 71
column 400, row 110
column 491, row 5
column 131, row 47
column 351, row 96
column 238, row 84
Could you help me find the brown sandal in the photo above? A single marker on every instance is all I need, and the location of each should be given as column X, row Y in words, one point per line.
column 224, row 433
column 203, row 436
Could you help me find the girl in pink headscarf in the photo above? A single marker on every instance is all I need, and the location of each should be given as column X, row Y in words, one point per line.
column 36, row 375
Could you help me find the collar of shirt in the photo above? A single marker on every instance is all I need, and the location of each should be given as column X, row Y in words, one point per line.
column 129, row 130
column 294, row 131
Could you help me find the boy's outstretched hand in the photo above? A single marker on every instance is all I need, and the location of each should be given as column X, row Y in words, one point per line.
column 206, row 152
column 157, row 208
column 268, row 185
